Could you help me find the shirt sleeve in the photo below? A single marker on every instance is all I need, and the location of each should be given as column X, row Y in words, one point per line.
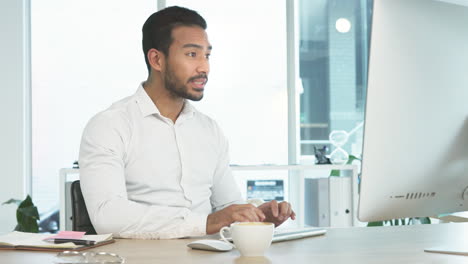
column 225, row 190
column 102, row 177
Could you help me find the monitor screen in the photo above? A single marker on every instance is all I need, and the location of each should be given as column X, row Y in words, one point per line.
column 415, row 152
column 266, row 190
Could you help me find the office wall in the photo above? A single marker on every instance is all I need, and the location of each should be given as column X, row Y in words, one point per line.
column 14, row 107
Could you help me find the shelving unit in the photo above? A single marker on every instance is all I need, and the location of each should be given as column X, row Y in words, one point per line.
column 296, row 175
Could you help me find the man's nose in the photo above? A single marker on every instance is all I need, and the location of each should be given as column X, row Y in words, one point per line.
column 204, row 66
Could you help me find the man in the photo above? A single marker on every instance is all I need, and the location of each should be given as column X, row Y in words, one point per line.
column 152, row 166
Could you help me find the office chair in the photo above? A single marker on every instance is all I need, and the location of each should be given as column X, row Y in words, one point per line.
column 80, row 216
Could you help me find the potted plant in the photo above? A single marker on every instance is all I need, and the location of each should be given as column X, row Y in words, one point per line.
column 27, row 215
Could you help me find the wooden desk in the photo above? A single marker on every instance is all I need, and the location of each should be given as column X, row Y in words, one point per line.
column 401, row 244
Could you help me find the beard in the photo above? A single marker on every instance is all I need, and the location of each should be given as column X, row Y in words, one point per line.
column 177, row 87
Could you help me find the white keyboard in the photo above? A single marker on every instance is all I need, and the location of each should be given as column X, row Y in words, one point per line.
column 285, row 234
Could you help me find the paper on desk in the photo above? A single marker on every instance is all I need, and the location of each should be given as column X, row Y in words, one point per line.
column 30, row 239
column 15, row 239
column 67, row 235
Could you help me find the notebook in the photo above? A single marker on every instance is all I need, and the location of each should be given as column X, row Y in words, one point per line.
column 35, row 241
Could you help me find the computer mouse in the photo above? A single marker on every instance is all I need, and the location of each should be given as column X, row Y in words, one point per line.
column 210, row 244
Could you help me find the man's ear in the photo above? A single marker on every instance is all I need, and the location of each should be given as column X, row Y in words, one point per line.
column 156, row 59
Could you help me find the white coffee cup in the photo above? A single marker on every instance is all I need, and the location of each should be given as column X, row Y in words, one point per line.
column 250, row 238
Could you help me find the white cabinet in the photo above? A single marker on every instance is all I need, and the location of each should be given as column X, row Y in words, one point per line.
column 342, row 191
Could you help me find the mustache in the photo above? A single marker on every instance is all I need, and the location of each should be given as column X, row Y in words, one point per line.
column 199, row 77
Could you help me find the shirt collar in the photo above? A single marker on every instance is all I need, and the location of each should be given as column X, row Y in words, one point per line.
column 188, row 110
column 147, row 106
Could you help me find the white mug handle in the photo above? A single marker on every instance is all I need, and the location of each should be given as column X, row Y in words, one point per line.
column 221, row 233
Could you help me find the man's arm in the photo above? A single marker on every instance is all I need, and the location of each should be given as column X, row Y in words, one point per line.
column 102, row 155
column 227, row 200
column 225, row 190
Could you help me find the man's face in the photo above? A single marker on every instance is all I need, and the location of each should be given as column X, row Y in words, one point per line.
column 186, row 67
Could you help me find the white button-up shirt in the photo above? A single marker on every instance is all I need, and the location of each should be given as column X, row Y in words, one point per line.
column 144, row 176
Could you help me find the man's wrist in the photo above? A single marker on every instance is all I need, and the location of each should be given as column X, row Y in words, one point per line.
column 211, row 224
column 214, row 223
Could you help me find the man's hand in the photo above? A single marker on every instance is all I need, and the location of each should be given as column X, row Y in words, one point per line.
column 276, row 212
column 231, row 214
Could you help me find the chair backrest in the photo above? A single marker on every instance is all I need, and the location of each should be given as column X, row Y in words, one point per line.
column 80, row 216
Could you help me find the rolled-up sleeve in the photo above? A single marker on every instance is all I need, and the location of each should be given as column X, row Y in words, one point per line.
column 225, row 190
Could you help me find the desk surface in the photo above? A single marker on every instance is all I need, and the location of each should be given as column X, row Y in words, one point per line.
column 400, row 244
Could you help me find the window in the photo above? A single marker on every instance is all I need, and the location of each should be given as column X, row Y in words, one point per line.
column 87, row 55
column 247, row 91
column 78, row 49
column 82, row 63
column 333, row 51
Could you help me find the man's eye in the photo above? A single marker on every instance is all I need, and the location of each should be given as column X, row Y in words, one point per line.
column 192, row 54
column 207, row 56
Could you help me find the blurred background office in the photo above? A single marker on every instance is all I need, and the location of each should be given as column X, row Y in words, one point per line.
column 284, row 74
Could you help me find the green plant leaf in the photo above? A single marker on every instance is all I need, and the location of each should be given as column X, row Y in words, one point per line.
column 30, row 211
column 425, row 220
column 335, row 173
column 401, row 221
column 27, row 225
column 12, row 201
column 377, row 223
column 26, row 203
column 27, row 215
column 352, row 158
column 27, row 219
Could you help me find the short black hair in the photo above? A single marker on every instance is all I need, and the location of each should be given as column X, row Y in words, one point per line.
column 157, row 30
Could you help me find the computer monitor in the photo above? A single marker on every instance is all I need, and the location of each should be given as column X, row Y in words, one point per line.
column 415, row 151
